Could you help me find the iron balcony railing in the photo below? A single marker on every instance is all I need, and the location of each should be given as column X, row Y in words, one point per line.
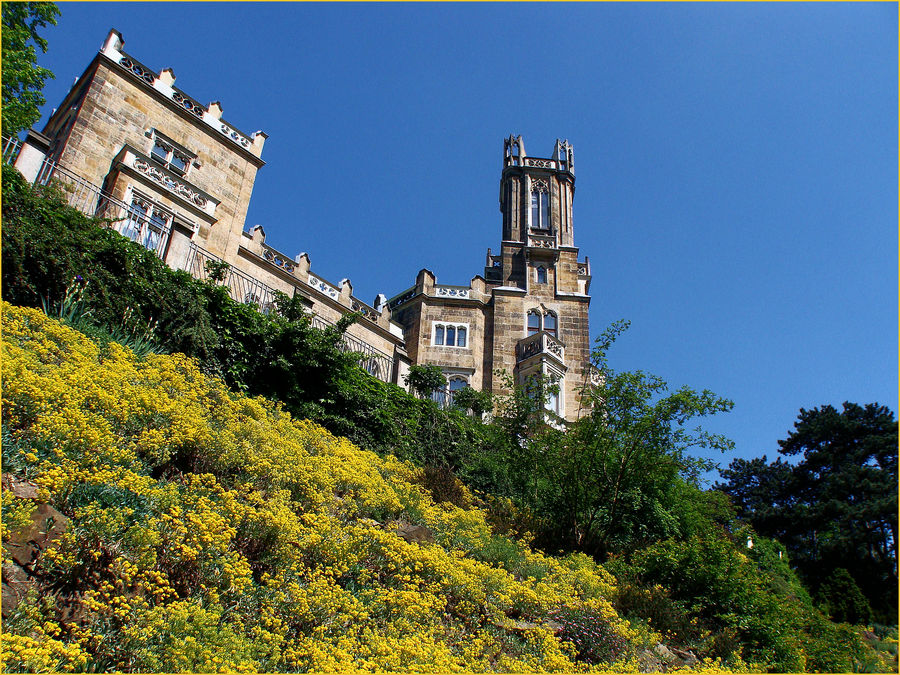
column 244, row 288
column 153, row 233
column 11, row 147
column 146, row 227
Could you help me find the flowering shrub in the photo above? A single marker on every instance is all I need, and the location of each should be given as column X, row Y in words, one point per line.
column 594, row 638
column 209, row 531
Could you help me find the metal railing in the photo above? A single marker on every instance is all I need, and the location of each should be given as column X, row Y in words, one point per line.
column 150, row 232
column 201, row 264
column 244, row 288
column 11, row 147
column 153, row 234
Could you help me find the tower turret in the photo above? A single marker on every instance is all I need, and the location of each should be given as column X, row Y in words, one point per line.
column 536, row 196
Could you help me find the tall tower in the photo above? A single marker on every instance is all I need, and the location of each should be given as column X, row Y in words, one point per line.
column 528, row 314
column 540, row 289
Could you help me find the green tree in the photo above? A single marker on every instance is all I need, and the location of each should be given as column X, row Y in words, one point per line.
column 837, row 506
column 425, row 380
column 839, row 597
column 479, row 402
column 621, row 476
column 620, row 471
column 23, row 79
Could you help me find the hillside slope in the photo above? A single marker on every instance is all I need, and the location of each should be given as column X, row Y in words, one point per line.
column 194, row 529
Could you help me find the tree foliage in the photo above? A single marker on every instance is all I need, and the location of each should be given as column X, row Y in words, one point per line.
column 424, row 380
column 47, row 244
column 746, row 604
column 835, row 508
column 618, row 478
column 623, row 464
column 23, row 79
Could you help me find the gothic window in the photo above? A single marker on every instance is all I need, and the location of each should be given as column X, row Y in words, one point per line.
column 540, row 205
column 146, row 223
column 534, row 321
column 456, row 383
column 550, row 323
column 159, row 221
column 541, row 274
column 175, row 159
column 134, row 221
column 450, row 335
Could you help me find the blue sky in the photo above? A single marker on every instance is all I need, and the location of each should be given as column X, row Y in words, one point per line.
column 736, row 164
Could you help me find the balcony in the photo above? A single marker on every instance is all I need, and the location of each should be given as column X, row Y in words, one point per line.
column 153, row 232
column 541, row 344
column 156, row 176
column 542, row 246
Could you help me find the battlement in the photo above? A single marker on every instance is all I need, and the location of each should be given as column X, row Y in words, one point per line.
column 164, row 83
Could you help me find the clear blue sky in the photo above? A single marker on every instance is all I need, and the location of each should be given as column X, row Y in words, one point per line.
column 736, row 164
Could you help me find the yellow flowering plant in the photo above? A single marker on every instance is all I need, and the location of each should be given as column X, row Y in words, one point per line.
column 210, row 531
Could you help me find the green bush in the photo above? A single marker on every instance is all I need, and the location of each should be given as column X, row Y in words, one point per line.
column 124, row 290
column 731, row 594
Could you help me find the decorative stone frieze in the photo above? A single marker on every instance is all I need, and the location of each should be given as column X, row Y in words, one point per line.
column 187, row 103
column 168, row 182
column 542, row 242
column 137, row 69
column 234, row 135
column 278, row 259
column 540, row 163
column 324, row 287
column 451, row 292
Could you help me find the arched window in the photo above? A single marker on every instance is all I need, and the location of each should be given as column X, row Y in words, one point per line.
column 155, row 228
column 439, row 335
column 535, row 321
column 457, row 382
column 540, row 207
column 461, row 336
column 137, row 216
column 550, row 323
column 541, row 274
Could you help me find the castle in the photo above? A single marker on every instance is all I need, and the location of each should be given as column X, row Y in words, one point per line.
column 128, row 145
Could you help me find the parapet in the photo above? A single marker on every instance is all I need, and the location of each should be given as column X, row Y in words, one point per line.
column 164, row 83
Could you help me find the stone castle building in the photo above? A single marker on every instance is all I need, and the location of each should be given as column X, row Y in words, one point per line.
column 528, row 313
column 170, row 173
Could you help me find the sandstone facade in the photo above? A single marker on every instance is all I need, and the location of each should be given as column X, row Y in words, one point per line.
column 527, row 315
column 172, row 174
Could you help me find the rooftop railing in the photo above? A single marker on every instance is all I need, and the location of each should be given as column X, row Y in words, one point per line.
column 244, row 288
